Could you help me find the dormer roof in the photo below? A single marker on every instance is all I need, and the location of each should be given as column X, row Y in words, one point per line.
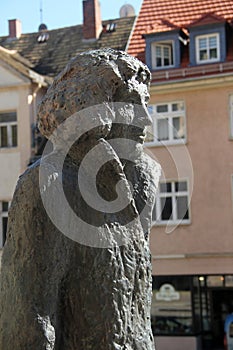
column 179, row 12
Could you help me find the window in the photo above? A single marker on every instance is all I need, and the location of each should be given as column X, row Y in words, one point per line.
column 168, row 123
column 162, row 54
column 207, row 48
column 172, row 203
column 4, row 206
column 8, row 129
column 171, row 311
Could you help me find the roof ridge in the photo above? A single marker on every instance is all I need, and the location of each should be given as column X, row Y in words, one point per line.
column 9, row 52
column 206, row 15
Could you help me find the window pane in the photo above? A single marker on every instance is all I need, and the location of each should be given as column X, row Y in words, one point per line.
column 213, row 53
column 212, row 41
column 4, row 142
column 166, row 207
column 14, row 135
column 215, row 281
column 182, row 207
column 5, row 206
column 162, row 108
column 167, row 62
column 177, row 107
column 229, row 281
column 8, row 117
column 162, row 129
column 158, row 51
column 178, row 127
column 165, row 187
column 202, row 43
column 166, row 52
column 4, row 229
column 180, row 186
column 158, row 62
column 203, row 55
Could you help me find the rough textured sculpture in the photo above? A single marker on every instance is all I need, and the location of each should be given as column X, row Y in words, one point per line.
column 57, row 293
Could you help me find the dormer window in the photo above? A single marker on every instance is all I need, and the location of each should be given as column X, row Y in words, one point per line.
column 164, row 49
column 208, row 42
column 207, row 48
column 162, row 54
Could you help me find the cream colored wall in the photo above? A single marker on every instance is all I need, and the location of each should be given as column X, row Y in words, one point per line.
column 211, row 151
column 13, row 161
column 7, row 78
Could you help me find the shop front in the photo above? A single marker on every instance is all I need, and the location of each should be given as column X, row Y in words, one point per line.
column 188, row 312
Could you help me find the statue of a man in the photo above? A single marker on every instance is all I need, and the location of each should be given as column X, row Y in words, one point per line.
column 76, row 267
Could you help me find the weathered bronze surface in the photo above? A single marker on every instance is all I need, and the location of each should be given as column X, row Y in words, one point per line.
column 55, row 292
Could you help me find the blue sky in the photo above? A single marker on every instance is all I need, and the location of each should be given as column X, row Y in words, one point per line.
column 56, row 13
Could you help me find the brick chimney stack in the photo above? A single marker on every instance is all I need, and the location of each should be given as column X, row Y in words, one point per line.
column 92, row 24
column 15, row 29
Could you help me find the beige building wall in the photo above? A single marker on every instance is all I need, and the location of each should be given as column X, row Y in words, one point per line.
column 204, row 245
column 14, row 92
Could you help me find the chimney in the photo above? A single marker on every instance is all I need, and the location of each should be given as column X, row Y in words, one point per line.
column 92, row 24
column 14, row 28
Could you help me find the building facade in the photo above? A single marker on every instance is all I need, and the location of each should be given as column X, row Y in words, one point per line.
column 188, row 47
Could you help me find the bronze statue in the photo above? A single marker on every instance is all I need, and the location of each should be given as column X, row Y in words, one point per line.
column 79, row 285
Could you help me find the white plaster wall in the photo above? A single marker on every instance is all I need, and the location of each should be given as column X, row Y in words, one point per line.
column 9, row 99
column 8, row 78
column 9, row 173
column 13, row 161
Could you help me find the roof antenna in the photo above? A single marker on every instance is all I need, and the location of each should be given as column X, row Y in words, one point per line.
column 42, row 26
column 41, row 11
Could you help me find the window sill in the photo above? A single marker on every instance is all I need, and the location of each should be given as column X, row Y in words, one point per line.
column 165, row 143
column 9, row 149
column 154, row 69
column 207, row 62
column 172, row 223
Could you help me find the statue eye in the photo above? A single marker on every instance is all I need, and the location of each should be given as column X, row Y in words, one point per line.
column 142, row 76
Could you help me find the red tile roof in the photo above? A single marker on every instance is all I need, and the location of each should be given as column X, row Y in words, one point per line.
column 154, row 15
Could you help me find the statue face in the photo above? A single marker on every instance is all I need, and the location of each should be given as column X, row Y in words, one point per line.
column 131, row 114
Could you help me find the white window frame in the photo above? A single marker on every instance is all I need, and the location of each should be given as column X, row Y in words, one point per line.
column 207, row 36
column 9, row 126
column 173, row 194
column 231, row 115
column 3, row 214
column 165, row 44
column 169, row 115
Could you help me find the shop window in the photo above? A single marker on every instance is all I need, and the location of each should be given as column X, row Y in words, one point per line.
column 208, row 48
column 228, row 281
column 162, row 54
column 168, row 124
column 4, row 206
column 172, row 203
column 215, row 281
column 172, row 306
column 8, row 129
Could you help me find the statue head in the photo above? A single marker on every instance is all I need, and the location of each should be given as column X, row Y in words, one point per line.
column 97, row 77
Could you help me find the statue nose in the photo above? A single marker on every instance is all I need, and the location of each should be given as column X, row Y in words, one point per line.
column 142, row 116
